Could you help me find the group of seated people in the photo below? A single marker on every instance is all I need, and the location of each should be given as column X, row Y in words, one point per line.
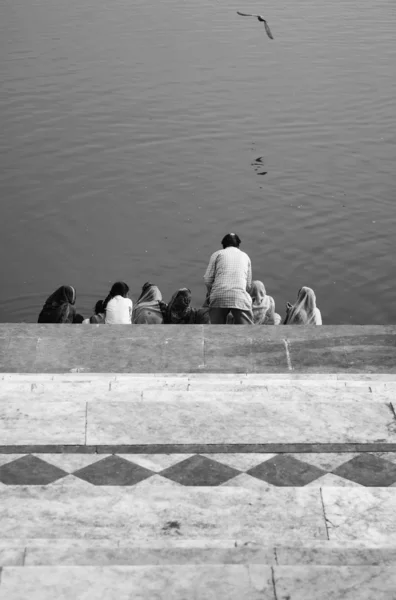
column 117, row 308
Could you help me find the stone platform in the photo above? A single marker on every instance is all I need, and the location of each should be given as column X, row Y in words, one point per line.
column 197, row 349
column 182, row 479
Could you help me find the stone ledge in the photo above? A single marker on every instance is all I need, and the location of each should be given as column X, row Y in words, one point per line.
column 341, row 349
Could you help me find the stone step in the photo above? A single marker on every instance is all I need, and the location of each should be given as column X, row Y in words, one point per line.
column 117, row 551
column 158, row 510
column 137, row 387
column 180, row 418
column 200, row 582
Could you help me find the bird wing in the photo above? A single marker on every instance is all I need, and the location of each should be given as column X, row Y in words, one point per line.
column 268, row 31
column 245, row 14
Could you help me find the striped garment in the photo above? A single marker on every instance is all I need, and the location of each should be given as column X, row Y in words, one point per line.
column 228, row 279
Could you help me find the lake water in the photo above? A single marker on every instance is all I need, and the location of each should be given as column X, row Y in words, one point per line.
column 128, row 133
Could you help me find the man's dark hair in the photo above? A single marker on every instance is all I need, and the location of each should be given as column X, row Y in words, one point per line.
column 231, row 239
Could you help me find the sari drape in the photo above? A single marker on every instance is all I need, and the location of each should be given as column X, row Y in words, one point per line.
column 149, row 309
column 59, row 307
column 179, row 311
column 304, row 311
column 263, row 306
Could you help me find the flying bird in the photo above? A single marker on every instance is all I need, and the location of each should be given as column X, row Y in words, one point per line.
column 261, row 19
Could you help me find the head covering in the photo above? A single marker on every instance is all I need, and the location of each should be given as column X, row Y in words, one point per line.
column 64, row 294
column 149, row 308
column 303, row 312
column 59, row 307
column 149, row 293
column 179, row 310
column 263, row 306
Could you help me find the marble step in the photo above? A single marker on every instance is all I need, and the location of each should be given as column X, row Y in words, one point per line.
column 117, row 551
column 157, row 510
column 199, row 582
column 119, row 393
column 102, row 382
column 196, row 418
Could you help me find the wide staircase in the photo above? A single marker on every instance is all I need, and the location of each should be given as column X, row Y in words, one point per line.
column 201, row 486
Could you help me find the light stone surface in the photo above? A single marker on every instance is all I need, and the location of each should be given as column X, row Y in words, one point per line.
column 335, row 583
column 248, row 482
column 364, row 514
column 67, row 391
column 242, row 462
column 71, row 462
column 155, row 462
column 385, row 395
column 329, row 479
column 326, row 461
column 11, row 557
column 116, row 551
column 72, row 485
column 113, row 552
column 336, row 554
column 180, row 389
column 232, row 422
column 157, row 383
column 292, row 391
column 179, row 582
column 142, row 512
column 157, row 482
column 31, row 422
column 325, row 391
column 213, row 395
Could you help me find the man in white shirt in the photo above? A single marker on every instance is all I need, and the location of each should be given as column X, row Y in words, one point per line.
column 228, row 279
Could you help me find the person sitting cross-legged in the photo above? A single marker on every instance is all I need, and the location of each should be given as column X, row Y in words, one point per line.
column 180, row 312
column 304, row 311
column 263, row 306
column 149, row 308
column 60, row 307
column 98, row 318
column 118, row 306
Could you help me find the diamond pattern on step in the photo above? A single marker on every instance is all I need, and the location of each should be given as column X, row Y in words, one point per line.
column 70, row 462
column 284, row 470
column 155, row 462
column 199, row 470
column 240, row 461
column 30, row 470
column 113, row 470
column 368, row 470
column 7, row 458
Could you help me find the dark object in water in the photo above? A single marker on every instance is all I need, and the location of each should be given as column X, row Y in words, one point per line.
column 263, row 173
column 261, row 19
column 259, row 159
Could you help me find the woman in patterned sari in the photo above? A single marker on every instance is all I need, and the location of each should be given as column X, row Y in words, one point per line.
column 149, row 309
column 180, row 312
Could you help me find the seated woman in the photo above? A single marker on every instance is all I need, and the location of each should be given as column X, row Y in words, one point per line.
column 179, row 311
column 59, row 307
column 98, row 318
column 117, row 306
column 149, row 309
column 304, row 311
column 263, row 306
